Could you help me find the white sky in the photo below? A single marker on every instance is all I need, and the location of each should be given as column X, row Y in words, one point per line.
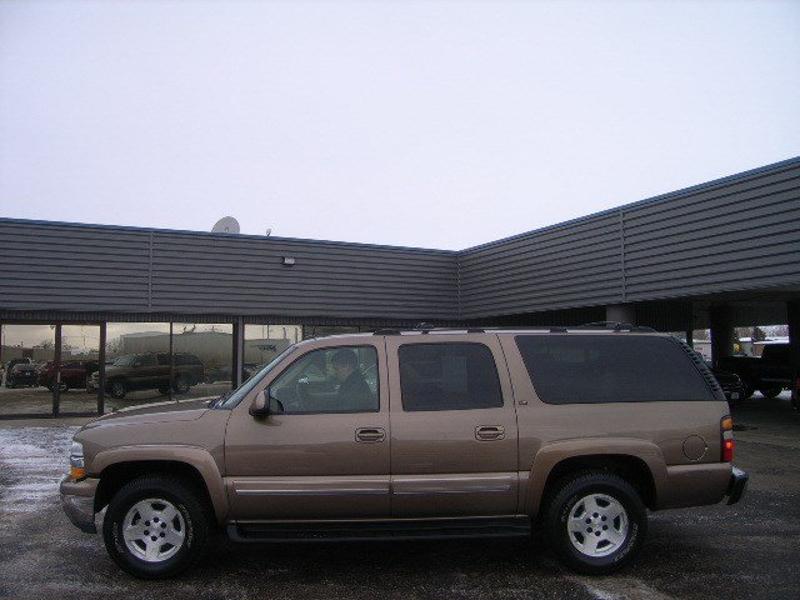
column 427, row 124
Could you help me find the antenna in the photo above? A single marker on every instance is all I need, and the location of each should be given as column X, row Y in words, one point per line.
column 226, row 225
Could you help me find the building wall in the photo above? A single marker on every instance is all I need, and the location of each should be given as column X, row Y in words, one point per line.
column 733, row 234
column 737, row 233
column 82, row 268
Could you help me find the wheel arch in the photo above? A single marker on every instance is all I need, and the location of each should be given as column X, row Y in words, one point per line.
column 638, row 461
column 116, row 467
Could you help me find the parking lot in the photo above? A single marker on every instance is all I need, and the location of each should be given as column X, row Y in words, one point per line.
column 745, row 551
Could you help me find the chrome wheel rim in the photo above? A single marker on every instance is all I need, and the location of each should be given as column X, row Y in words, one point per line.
column 597, row 525
column 153, row 530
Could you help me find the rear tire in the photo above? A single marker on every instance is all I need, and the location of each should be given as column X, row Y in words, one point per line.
column 616, row 528
column 148, row 554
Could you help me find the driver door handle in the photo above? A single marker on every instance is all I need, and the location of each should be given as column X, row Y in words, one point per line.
column 490, row 432
column 370, row 434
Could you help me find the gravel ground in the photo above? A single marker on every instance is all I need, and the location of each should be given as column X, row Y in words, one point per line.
column 744, row 551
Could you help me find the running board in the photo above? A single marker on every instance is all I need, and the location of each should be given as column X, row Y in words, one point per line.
column 401, row 529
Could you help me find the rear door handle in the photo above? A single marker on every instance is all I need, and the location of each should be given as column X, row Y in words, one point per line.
column 370, row 434
column 490, row 432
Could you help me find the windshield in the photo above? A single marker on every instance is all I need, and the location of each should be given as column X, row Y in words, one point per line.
column 244, row 389
column 124, row 361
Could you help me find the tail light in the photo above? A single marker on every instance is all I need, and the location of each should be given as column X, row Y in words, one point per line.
column 728, row 443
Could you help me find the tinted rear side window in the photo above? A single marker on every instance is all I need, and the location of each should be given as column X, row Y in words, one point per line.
column 610, row 368
column 448, row 376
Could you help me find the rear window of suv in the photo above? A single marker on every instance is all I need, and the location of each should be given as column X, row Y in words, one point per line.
column 587, row 369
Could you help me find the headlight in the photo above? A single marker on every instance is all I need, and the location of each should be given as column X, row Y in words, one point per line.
column 77, row 468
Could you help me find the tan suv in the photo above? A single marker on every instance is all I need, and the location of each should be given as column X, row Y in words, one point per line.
column 434, row 433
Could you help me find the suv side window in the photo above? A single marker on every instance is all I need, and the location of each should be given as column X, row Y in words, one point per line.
column 145, row 360
column 448, row 376
column 329, row 380
column 590, row 369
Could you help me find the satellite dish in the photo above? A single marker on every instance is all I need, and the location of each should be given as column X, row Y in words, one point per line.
column 226, row 225
column 269, row 231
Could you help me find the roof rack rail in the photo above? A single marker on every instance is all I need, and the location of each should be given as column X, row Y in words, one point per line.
column 425, row 328
column 616, row 326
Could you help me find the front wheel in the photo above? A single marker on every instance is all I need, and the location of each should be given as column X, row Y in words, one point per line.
column 118, row 389
column 156, row 527
column 596, row 522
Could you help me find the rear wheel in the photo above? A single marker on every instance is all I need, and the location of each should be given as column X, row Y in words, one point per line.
column 596, row 522
column 156, row 527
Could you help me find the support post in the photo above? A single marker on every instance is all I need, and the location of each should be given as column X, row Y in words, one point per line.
column 721, row 318
column 238, row 352
column 101, row 358
column 793, row 320
column 57, row 365
column 621, row 313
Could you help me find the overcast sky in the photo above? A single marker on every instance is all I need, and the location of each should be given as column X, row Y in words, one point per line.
column 428, row 124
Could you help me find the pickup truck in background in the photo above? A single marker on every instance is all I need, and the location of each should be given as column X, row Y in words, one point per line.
column 770, row 374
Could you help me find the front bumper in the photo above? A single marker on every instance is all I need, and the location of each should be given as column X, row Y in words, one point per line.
column 737, row 485
column 77, row 500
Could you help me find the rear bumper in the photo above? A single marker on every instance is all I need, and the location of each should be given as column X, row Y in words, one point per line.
column 77, row 500
column 737, row 485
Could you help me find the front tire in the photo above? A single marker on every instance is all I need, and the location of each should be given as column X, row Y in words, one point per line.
column 118, row 389
column 596, row 522
column 156, row 527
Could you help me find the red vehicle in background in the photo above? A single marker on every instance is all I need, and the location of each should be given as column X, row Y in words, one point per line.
column 74, row 374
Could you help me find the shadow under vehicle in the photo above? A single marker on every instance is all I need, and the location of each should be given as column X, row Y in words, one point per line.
column 132, row 372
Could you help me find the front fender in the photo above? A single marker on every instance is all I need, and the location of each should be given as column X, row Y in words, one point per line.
column 553, row 453
column 194, row 456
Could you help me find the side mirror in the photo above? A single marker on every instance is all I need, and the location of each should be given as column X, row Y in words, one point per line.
column 260, row 405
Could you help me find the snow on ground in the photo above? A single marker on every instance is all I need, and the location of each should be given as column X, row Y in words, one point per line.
column 32, row 462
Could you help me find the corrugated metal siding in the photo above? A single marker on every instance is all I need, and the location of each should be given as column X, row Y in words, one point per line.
column 247, row 276
column 733, row 237
column 733, row 234
column 75, row 267
column 84, row 268
column 560, row 267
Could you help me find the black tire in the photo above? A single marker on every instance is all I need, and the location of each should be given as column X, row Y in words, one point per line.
column 185, row 498
column 181, row 385
column 118, row 389
column 771, row 393
column 567, row 494
column 747, row 391
column 164, row 390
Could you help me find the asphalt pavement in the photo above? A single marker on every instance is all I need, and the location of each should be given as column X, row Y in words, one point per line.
column 745, row 551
